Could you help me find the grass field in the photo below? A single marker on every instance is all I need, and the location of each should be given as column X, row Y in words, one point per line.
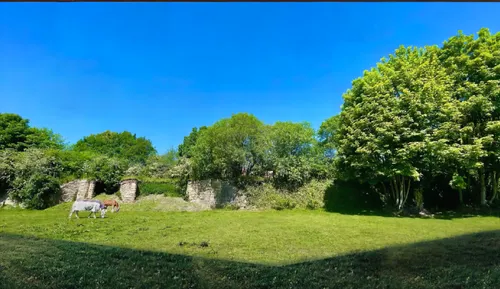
column 286, row 249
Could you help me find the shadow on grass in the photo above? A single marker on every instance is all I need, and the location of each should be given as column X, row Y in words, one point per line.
column 468, row 261
column 350, row 198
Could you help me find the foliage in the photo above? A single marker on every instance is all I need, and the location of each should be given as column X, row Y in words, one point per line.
column 123, row 145
column 15, row 133
column 159, row 166
column 327, row 135
column 44, row 138
column 168, row 188
column 290, row 150
column 7, row 159
column 228, row 147
column 35, row 183
column 73, row 163
column 185, row 149
column 308, row 196
column 424, row 115
column 108, row 171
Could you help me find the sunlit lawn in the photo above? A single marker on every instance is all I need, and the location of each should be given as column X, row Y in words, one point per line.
column 266, row 239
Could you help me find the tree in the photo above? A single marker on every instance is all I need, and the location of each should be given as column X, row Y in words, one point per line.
column 159, row 166
column 389, row 119
column 44, row 138
column 474, row 65
column 106, row 170
column 230, row 146
column 16, row 133
column 118, row 145
column 291, row 153
column 189, row 142
column 327, row 135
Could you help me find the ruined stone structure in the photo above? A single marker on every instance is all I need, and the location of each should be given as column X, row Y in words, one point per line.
column 201, row 193
column 77, row 190
column 128, row 190
column 211, row 194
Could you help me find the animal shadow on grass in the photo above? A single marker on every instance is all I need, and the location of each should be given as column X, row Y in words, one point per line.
column 467, row 261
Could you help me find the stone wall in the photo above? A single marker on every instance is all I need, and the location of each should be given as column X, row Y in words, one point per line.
column 201, row 193
column 77, row 189
column 211, row 194
column 128, row 190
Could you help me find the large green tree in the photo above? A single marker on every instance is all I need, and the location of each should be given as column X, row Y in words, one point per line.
column 389, row 121
column 15, row 133
column 474, row 65
column 229, row 147
column 125, row 145
column 327, row 135
column 186, row 146
column 291, row 152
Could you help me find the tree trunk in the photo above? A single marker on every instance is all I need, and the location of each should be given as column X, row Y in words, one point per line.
column 495, row 187
column 483, row 187
column 460, row 197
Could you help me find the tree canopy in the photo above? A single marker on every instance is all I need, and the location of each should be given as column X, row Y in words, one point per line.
column 15, row 133
column 423, row 115
column 125, row 145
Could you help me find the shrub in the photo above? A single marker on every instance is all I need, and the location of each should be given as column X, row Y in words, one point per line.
column 167, row 187
column 35, row 179
column 308, row 196
column 108, row 171
column 6, row 170
column 38, row 191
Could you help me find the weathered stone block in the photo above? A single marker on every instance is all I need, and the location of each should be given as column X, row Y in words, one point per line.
column 215, row 193
column 201, row 193
column 77, row 189
column 128, row 190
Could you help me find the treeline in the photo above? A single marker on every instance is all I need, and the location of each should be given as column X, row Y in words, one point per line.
column 421, row 128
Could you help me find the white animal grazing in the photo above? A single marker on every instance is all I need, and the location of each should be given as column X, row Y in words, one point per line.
column 88, row 205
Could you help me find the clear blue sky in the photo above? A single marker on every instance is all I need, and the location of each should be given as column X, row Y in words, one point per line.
column 160, row 69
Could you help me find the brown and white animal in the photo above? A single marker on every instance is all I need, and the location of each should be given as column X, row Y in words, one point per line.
column 88, row 205
column 112, row 204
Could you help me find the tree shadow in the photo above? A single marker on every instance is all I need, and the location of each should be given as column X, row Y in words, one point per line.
column 467, row 212
column 468, row 261
column 351, row 198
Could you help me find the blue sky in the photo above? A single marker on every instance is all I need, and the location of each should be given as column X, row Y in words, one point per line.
column 160, row 69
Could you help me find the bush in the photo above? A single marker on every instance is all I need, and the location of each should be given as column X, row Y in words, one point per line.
column 35, row 179
column 167, row 187
column 6, row 170
column 308, row 196
column 108, row 171
column 38, row 191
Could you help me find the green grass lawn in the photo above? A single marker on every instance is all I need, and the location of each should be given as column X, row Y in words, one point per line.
column 271, row 249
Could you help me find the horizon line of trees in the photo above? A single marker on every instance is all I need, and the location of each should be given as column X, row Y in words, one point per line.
column 422, row 127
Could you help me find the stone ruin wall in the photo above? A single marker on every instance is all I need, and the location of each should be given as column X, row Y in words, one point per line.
column 77, row 190
column 128, row 190
column 211, row 194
